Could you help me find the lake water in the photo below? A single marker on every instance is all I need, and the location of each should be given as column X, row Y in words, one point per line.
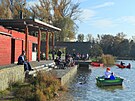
column 84, row 88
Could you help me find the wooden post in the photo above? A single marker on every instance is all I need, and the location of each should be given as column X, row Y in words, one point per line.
column 47, row 45
column 26, row 42
column 39, row 43
column 52, row 40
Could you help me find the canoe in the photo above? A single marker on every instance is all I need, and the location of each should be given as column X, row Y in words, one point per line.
column 96, row 64
column 122, row 66
column 102, row 82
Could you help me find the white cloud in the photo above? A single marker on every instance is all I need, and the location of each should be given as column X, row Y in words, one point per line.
column 103, row 24
column 129, row 19
column 87, row 14
column 106, row 4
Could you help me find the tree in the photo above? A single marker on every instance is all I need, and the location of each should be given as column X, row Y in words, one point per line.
column 80, row 37
column 132, row 50
column 62, row 13
column 121, row 36
column 5, row 11
column 42, row 11
column 133, row 38
column 89, row 38
column 106, row 43
column 124, row 48
column 14, row 9
column 96, row 51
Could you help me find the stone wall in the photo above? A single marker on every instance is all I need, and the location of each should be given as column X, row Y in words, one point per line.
column 11, row 75
column 65, row 75
column 69, row 75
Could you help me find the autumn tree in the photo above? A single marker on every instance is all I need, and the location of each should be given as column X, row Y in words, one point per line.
column 15, row 9
column 5, row 9
column 61, row 13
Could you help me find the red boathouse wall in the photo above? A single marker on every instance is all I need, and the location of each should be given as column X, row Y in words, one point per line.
column 11, row 45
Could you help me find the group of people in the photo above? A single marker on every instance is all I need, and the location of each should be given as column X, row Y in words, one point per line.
column 109, row 75
column 58, row 61
column 53, row 52
column 67, row 62
column 79, row 56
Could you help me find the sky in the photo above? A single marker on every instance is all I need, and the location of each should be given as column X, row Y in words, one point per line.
column 106, row 17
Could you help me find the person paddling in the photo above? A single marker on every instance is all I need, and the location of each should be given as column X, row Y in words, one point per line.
column 107, row 73
column 121, row 63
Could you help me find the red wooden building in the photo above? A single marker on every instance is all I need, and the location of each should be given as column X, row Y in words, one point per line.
column 14, row 38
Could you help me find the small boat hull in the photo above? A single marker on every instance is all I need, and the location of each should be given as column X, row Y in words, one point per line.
column 102, row 82
column 96, row 64
column 122, row 66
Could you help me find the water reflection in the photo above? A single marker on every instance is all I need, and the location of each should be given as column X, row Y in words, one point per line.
column 111, row 88
column 82, row 76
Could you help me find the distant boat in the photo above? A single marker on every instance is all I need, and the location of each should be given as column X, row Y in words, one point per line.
column 97, row 64
column 123, row 66
column 102, row 82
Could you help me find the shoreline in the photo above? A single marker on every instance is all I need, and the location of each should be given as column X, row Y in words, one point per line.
column 63, row 96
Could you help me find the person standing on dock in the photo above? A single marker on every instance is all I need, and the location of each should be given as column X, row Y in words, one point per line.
column 53, row 54
column 59, row 53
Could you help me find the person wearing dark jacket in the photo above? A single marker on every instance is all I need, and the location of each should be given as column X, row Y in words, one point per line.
column 21, row 61
column 59, row 54
column 53, row 54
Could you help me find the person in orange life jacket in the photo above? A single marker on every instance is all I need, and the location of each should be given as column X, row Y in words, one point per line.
column 107, row 73
column 21, row 61
column 112, row 76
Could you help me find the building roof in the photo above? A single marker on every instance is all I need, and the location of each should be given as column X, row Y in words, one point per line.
column 33, row 25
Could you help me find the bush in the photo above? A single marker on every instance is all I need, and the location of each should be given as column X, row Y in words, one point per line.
column 47, row 85
column 108, row 59
column 40, row 88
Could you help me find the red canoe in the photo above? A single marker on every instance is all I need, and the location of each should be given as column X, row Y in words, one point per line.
column 122, row 66
column 96, row 64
